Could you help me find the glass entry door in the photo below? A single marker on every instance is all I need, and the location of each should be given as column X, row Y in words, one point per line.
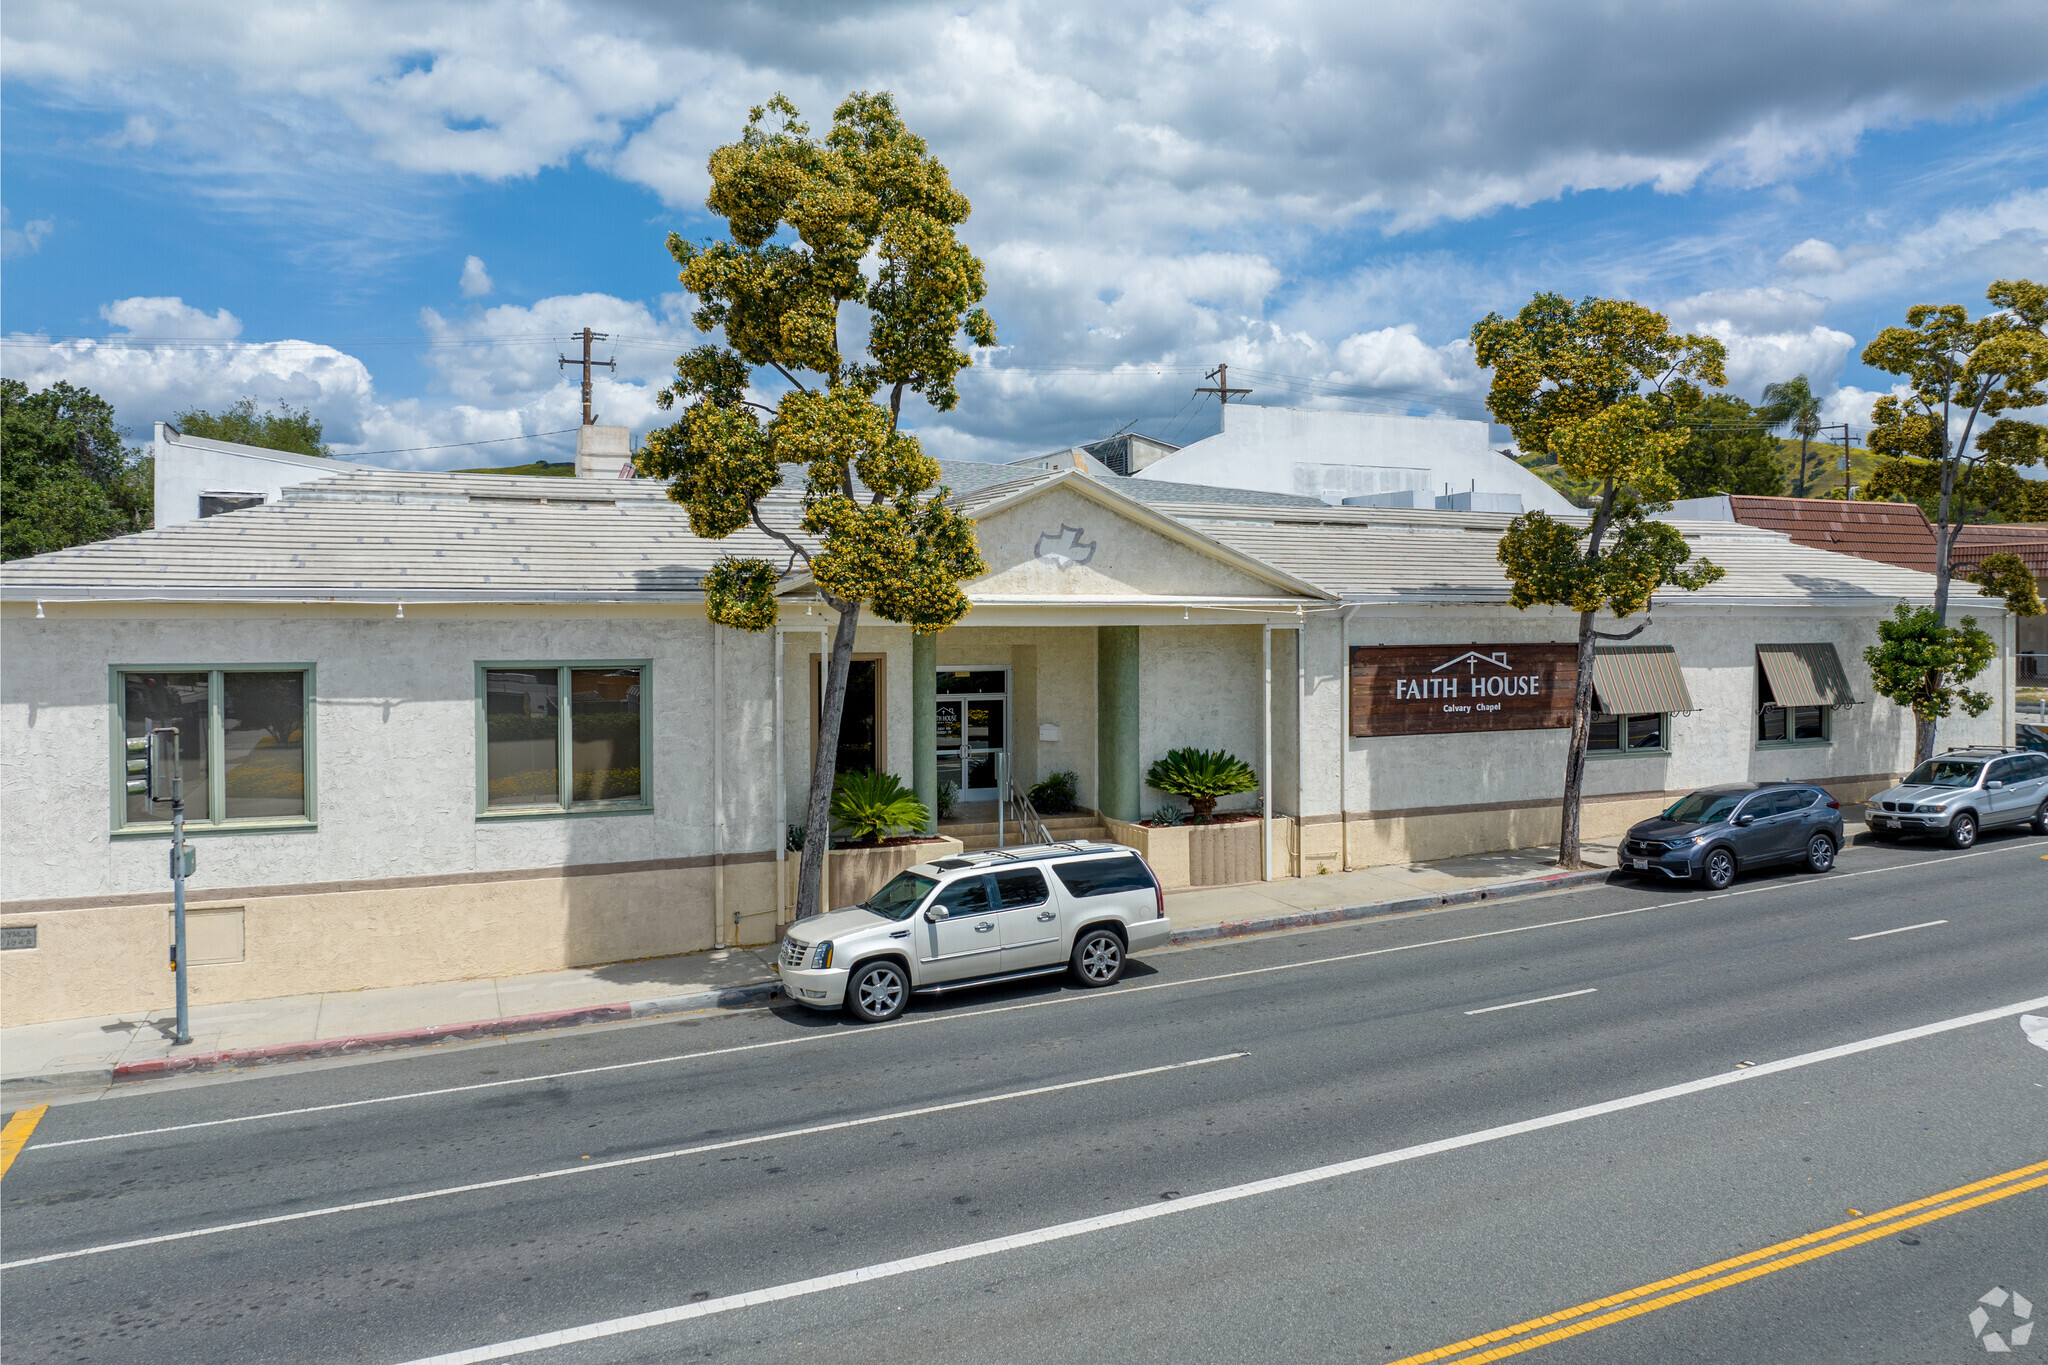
column 973, row 729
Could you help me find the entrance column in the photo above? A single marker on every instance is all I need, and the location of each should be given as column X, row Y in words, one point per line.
column 924, row 725
column 1117, row 786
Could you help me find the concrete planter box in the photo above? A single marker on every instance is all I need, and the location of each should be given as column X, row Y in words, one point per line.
column 854, row 874
column 1206, row 855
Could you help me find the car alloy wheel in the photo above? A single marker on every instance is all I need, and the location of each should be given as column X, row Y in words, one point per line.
column 2040, row 825
column 878, row 992
column 1719, row 872
column 1099, row 958
column 1820, row 853
column 1962, row 831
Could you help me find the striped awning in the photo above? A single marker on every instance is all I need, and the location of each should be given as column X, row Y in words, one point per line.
column 1803, row 675
column 1637, row 680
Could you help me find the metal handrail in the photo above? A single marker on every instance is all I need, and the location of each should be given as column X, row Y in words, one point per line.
column 1033, row 828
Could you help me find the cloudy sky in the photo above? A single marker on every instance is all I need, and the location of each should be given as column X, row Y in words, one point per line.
column 395, row 213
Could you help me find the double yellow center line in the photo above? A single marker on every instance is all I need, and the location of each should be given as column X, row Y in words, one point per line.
column 1587, row 1317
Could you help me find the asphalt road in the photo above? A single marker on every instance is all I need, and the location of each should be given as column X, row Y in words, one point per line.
column 1144, row 1172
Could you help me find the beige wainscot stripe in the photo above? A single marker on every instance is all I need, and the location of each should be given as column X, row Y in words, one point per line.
column 113, row 958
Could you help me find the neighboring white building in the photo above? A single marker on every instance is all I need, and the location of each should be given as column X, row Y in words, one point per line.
column 447, row 726
column 196, row 477
column 1362, row 458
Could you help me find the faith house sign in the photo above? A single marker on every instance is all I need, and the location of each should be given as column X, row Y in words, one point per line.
column 1445, row 689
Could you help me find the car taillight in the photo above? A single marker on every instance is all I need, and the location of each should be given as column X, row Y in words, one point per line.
column 1158, row 899
column 1834, row 805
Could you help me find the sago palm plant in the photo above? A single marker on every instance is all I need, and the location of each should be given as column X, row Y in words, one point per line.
column 868, row 807
column 1202, row 777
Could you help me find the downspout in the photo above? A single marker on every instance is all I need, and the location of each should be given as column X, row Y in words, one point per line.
column 1266, row 756
column 781, row 806
column 1344, row 735
column 1300, row 725
column 718, row 934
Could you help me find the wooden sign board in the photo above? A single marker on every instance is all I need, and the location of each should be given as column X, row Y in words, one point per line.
column 1447, row 689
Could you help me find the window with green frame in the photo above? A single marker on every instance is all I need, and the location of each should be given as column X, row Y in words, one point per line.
column 245, row 743
column 1794, row 724
column 1620, row 736
column 554, row 738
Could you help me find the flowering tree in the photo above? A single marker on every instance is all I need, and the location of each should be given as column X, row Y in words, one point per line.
column 1600, row 385
column 865, row 216
column 1956, row 373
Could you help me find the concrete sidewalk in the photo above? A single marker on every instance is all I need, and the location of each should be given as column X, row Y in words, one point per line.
column 76, row 1053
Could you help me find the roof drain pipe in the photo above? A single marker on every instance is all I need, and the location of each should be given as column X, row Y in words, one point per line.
column 1344, row 739
column 1266, row 756
column 781, row 802
column 719, row 938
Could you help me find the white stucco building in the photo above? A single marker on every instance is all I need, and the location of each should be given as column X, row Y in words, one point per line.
column 446, row 726
column 1367, row 458
column 197, row 477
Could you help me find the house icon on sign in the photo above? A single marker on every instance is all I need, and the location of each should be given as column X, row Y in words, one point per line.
column 1472, row 659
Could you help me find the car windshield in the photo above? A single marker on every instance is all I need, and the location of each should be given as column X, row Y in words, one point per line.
column 1945, row 772
column 1702, row 808
column 904, row 893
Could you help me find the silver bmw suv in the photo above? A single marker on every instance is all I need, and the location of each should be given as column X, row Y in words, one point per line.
column 975, row 920
column 1963, row 792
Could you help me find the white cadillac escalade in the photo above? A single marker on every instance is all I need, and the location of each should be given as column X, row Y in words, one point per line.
column 976, row 919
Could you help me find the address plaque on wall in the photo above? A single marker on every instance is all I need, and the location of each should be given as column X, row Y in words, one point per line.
column 1446, row 689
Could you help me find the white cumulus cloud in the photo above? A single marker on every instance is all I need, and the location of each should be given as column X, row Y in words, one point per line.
column 476, row 281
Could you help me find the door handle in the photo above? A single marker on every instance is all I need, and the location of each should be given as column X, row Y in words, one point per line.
column 984, row 927
column 1046, row 917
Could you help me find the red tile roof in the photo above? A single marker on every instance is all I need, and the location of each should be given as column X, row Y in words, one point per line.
column 1888, row 532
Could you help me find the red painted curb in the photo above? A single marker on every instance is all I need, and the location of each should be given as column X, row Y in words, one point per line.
column 367, row 1042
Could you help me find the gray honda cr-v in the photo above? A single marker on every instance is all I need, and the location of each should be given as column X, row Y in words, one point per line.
column 1717, row 831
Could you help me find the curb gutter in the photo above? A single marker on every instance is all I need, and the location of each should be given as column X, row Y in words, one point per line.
column 739, row 997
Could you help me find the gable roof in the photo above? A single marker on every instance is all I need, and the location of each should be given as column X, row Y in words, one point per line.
column 1888, row 532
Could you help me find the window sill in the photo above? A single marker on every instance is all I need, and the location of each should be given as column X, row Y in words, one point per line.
column 1610, row 755
column 1794, row 744
column 560, row 813
column 197, row 830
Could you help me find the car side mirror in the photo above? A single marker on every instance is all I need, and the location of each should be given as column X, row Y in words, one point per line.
column 1993, row 786
column 1745, row 819
column 937, row 913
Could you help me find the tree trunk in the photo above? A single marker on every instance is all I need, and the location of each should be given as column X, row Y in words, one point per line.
column 1575, row 757
column 825, row 764
column 1923, row 730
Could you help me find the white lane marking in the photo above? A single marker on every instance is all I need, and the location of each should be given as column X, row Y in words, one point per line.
column 584, row 1168
column 2036, row 1029
column 1539, row 1000
column 1902, row 929
column 1074, row 999
column 1146, row 1212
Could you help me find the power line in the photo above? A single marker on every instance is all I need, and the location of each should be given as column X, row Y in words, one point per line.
column 454, row 445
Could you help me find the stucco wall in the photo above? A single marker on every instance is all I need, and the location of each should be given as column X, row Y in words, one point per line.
column 1716, row 649
column 400, row 880
column 1031, row 552
column 187, row 466
column 1200, row 687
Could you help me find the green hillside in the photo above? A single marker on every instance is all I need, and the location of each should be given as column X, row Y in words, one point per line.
column 1823, row 476
column 550, row 469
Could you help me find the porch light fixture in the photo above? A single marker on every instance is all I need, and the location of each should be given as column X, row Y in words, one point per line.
column 39, row 609
column 401, row 611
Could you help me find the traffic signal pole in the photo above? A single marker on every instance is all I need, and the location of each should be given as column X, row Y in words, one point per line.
column 178, row 897
column 156, row 773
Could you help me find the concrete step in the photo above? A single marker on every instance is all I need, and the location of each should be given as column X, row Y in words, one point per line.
column 960, row 829
column 975, row 843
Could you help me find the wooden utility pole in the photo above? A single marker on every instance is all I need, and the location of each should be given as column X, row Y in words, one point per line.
column 589, row 417
column 1842, row 427
column 1221, row 374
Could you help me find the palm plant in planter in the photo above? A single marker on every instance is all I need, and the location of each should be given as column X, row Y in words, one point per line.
column 1202, row 777
column 868, row 807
